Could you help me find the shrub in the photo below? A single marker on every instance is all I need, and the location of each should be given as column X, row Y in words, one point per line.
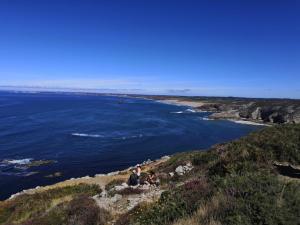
column 203, row 158
column 130, row 191
column 176, row 204
column 255, row 200
column 28, row 206
column 83, row 210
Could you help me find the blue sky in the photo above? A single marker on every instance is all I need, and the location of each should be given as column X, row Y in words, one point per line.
column 206, row 47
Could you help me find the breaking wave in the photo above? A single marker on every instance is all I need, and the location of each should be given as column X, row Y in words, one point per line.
column 18, row 161
column 186, row 111
column 191, row 110
column 178, row 112
column 87, row 135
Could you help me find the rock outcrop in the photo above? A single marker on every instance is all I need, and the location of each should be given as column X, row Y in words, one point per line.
column 256, row 111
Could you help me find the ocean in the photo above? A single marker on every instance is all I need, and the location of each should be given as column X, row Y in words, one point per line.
column 93, row 134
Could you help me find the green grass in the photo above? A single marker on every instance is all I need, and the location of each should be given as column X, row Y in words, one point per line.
column 240, row 176
column 28, row 206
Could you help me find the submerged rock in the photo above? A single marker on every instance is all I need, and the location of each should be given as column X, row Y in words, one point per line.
column 57, row 174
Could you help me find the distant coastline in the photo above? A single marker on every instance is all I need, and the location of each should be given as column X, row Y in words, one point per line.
column 199, row 104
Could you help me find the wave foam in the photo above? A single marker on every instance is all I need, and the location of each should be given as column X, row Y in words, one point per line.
column 178, row 112
column 190, row 110
column 186, row 111
column 19, row 161
column 133, row 136
column 87, row 135
column 205, row 118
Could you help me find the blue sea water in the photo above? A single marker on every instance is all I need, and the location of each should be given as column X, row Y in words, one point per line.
column 87, row 135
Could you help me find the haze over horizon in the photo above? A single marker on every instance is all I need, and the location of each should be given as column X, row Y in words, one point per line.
column 211, row 48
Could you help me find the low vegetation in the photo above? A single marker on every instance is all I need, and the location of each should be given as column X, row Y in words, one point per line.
column 232, row 183
column 46, row 206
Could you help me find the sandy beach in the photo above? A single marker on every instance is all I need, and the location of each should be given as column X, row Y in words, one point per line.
column 182, row 103
column 249, row 123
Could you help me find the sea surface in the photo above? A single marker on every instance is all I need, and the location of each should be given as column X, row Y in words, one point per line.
column 90, row 134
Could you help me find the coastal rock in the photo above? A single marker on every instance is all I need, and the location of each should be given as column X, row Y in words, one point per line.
column 166, row 157
column 296, row 116
column 56, row 174
column 179, row 170
column 116, row 198
column 121, row 187
column 100, row 175
column 231, row 114
column 256, row 114
column 147, row 162
column 113, row 173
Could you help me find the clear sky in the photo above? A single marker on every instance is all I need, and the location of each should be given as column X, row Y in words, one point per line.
column 203, row 47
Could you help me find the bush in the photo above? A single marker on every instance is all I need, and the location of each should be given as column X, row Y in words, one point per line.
column 129, row 191
column 175, row 204
column 83, row 210
column 255, row 200
column 28, row 206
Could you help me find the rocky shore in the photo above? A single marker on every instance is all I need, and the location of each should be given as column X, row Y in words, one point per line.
column 262, row 111
column 98, row 179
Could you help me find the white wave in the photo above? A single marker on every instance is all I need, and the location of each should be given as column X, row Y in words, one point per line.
column 19, row 161
column 249, row 123
column 87, row 135
column 191, row 110
column 206, row 118
column 133, row 136
column 178, row 112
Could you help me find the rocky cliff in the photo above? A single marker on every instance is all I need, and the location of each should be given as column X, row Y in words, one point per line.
column 266, row 112
column 254, row 109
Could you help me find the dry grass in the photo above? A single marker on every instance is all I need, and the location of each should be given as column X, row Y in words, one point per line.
column 203, row 214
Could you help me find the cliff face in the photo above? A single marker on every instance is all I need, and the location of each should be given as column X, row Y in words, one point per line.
column 256, row 111
column 276, row 111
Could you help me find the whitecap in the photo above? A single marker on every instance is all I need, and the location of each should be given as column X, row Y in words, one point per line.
column 87, row 135
column 206, row 118
column 132, row 137
column 19, row 161
column 191, row 110
column 178, row 112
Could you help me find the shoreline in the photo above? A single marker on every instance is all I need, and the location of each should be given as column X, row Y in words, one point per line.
column 98, row 179
column 194, row 105
column 249, row 122
column 180, row 103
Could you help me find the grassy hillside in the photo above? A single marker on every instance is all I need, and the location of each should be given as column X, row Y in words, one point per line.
column 233, row 183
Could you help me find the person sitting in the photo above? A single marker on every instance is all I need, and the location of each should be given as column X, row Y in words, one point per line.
column 152, row 179
column 133, row 179
column 138, row 172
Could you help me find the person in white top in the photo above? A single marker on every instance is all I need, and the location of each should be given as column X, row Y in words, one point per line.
column 138, row 172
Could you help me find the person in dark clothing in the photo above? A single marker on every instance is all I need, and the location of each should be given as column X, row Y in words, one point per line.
column 133, row 179
column 152, row 179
